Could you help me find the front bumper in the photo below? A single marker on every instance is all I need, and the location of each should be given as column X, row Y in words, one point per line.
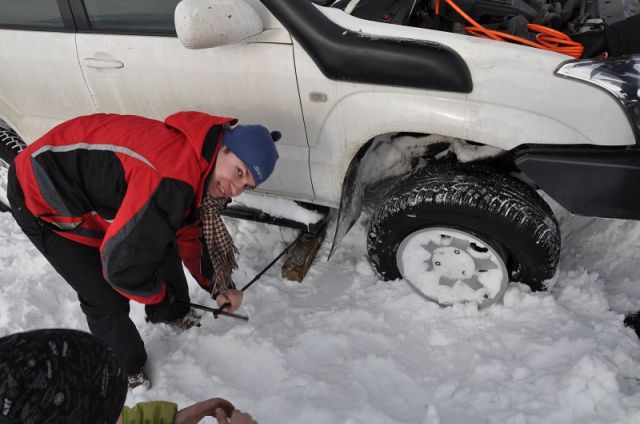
column 589, row 181
column 619, row 77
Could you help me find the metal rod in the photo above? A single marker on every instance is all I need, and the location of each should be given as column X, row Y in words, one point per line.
column 220, row 311
column 216, row 311
column 271, row 264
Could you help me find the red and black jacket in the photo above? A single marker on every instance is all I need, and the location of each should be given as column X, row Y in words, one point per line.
column 129, row 186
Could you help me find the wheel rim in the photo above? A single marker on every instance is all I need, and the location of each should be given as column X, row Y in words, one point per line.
column 4, row 180
column 450, row 266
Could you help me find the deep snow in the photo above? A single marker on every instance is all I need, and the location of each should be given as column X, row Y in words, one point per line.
column 345, row 347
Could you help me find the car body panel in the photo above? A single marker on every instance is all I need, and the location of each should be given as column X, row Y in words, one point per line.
column 515, row 97
column 516, row 100
column 254, row 82
column 41, row 81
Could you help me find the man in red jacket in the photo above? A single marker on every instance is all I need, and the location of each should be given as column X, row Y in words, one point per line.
column 116, row 203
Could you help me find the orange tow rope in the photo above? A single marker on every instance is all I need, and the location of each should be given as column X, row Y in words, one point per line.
column 546, row 39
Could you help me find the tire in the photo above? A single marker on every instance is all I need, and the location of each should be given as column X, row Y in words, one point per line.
column 481, row 210
column 10, row 145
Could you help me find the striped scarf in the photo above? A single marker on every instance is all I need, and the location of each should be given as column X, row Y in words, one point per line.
column 220, row 245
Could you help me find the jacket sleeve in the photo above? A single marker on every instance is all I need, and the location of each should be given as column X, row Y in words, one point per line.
column 194, row 254
column 155, row 412
column 142, row 237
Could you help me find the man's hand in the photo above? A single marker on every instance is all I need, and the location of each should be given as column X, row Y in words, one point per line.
column 207, row 408
column 237, row 417
column 232, row 297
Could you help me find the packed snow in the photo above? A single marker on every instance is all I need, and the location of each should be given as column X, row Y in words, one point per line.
column 399, row 154
column 277, row 207
column 345, row 347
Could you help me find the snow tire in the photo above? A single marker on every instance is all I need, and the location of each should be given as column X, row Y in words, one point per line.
column 10, row 145
column 501, row 210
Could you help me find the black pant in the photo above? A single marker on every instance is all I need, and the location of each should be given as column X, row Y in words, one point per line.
column 106, row 310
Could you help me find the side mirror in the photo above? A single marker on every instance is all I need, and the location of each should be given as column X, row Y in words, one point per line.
column 202, row 24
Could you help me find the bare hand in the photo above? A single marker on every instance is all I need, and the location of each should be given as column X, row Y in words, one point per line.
column 233, row 297
column 207, row 408
column 237, row 417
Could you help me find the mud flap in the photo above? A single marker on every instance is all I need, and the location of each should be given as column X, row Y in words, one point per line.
column 353, row 188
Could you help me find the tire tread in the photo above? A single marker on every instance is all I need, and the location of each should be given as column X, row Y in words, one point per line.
column 478, row 188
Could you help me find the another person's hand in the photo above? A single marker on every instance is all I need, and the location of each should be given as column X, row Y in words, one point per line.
column 237, row 417
column 207, row 408
column 233, row 297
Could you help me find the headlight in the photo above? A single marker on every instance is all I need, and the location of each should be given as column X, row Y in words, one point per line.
column 618, row 76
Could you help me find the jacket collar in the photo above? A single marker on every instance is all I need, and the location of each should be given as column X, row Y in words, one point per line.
column 204, row 133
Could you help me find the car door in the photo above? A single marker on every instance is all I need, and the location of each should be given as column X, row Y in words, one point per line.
column 41, row 83
column 134, row 64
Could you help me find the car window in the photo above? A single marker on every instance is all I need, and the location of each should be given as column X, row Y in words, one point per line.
column 139, row 15
column 30, row 13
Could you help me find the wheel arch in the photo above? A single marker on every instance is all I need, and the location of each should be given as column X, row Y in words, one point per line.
column 374, row 156
column 10, row 145
column 342, row 127
column 9, row 118
column 25, row 127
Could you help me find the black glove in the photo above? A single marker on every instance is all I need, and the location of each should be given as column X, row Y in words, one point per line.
column 594, row 42
column 169, row 309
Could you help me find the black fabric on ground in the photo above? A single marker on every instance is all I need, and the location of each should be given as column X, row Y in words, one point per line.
column 59, row 376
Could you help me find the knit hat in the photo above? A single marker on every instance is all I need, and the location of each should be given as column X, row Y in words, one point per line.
column 256, row 148
column 59, row 376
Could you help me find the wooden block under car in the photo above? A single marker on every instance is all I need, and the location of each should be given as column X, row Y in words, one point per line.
column 301, row 255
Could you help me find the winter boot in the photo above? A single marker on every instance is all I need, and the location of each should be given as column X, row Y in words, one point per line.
column 191, row 319
column 139, row 378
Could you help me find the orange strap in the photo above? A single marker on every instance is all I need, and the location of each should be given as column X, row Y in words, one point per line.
column 546, row 39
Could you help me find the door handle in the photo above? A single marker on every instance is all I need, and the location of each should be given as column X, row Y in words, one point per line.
column 102, row 63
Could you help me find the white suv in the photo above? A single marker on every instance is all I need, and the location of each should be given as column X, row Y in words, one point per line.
column 446, row 135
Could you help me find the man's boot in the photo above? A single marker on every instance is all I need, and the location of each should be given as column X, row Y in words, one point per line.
column 191, row 319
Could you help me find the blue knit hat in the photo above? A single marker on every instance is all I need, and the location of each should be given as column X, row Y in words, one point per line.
column 256, row 148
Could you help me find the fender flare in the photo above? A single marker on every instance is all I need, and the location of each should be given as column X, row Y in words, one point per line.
column 352, row 194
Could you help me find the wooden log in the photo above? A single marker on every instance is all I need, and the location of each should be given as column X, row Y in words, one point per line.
column 301, row 255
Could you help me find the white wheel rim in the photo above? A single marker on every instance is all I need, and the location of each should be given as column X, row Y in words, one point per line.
column 451, row 266
column 4, row 180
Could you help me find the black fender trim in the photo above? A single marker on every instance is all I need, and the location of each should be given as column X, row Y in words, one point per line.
column 346, row 55
column 351, row 197
column 591, row 181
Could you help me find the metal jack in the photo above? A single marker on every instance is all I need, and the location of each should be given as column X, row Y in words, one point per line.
column 220, row 311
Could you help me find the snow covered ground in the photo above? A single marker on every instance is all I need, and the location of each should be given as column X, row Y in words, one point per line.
column 344, row 347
